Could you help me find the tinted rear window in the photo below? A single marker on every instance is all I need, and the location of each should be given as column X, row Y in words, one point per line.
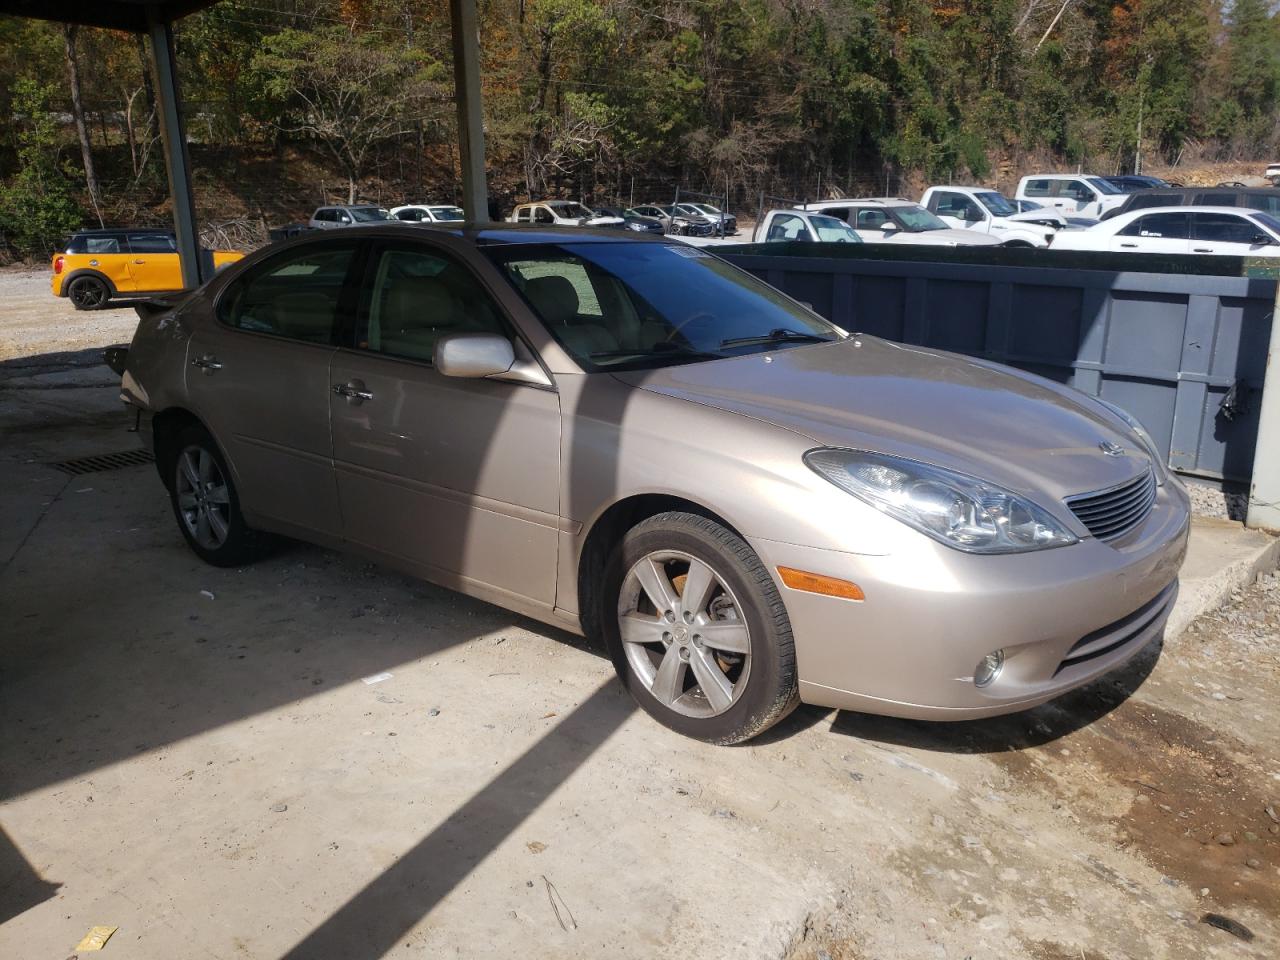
column 152, row 243
column 96, row 243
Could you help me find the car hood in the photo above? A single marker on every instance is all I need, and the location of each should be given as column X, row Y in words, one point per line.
column 1037, row 215
column 993, row 422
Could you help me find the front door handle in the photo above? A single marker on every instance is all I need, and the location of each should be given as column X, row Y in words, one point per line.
column 1201, row 250
column 354, row 391
column 208, row 363
column 1131, row 245
column 139, row 261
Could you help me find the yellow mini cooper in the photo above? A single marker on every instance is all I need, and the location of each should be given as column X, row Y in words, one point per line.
column 97, row 266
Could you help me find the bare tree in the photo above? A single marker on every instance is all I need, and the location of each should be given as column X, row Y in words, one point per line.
column 69, row 32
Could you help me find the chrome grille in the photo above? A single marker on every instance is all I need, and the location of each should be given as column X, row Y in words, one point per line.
column 1110, row 514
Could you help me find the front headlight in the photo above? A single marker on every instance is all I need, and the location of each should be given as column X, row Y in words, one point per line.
column 633, row 225
column 960, row 511
column 1134, row 424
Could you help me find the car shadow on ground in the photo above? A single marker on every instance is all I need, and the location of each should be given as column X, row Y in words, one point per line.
column 1016, row 731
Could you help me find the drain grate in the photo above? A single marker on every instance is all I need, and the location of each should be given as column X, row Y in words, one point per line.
column 104, row 461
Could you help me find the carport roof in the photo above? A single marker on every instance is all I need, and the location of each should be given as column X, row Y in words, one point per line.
column 134, row 15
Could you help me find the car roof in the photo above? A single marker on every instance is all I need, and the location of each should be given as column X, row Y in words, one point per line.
column 91, row 231
column 489, row 234
column 882, row 201
column 1196, row 208
column 1062, row 176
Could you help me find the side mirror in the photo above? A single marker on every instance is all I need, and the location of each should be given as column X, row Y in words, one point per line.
column 1263, row 240
column 473, row 355
column 973, row 216
column 888, row 226
column 343, row 218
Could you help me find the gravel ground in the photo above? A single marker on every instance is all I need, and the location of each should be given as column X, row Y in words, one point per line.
column 35, row 322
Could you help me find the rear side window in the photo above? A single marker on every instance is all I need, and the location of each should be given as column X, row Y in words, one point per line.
column 90, row 244
column 294, row 295
column 1168, row 226
column 152, row 243
column 1141, row 201
column 787, row 227
column 1038, row 188
column 543, row 215
column 840, row 213
column 1224, row 228
column 411, row 215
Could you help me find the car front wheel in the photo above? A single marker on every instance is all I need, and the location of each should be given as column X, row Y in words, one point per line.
column 697, row 630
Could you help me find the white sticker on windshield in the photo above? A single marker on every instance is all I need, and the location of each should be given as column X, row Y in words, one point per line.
column 684, row 250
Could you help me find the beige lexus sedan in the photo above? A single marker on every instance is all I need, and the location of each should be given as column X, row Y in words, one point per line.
column 633, row 439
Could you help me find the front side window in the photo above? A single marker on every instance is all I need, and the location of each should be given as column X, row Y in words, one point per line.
column 1077, row 190
column 418, row 296
column 153, row 243
column 786, row 227
column 872, row 219
column 1224, row 228
column 543, row 215
column 447, row 214
column 573, row 211
column 1167, row 226
column 1105, row 187
column 642, row 305
column 296, row 294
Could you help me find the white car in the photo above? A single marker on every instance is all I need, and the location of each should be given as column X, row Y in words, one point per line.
column 779, row 226
column 1273, row 173
column 1072, row 194
column 561, row 213
column 1227, row 231
column 428, row 213
column 986, row 211
column 895, row 220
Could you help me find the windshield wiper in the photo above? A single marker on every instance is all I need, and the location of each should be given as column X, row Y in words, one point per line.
column 780, row 335
column 674, row 351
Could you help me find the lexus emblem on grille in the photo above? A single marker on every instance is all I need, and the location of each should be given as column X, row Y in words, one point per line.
column 1111, row 449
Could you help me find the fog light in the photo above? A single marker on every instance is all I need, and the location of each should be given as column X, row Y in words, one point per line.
column 989, row 669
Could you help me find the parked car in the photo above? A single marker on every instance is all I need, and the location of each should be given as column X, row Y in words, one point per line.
column 561, row 213
column 1072, row 194
column 722, row 222
column 94, row 267
column 429, row 213
column 895, row 220
column 631, row 220
column 331, row 218
column 682, row 224
column 986, row 211
column 1133, row 182
column 631, row 438
column 803, row 225
column 1272, row 173
column 1266, row 199
column 1229, row 231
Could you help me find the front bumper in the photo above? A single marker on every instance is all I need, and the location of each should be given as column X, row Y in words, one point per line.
column 1063, row 617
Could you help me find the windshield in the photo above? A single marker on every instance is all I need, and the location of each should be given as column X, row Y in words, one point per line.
column 916, row 219
column 448, row 213
column 996, row 203
column 705, row 208
column 367, row 214
column 636, row 306
column 831, row 230
column 1102, row 186
column 1268, row 221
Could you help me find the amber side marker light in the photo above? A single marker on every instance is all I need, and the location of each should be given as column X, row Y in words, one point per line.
column 817, row 583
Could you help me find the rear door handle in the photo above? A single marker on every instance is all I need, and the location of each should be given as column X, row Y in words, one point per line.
column 208, row 363
column 1129, row 245
column 1201, row 250
column 354, row 391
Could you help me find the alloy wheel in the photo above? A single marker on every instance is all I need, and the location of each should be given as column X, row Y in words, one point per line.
column 204, row 500
column 88, row 294
column 684, row 634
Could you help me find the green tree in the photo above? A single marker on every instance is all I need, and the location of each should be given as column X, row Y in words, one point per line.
column 37, row 205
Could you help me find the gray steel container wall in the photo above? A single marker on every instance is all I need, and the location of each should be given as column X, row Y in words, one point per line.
column 1165, row 347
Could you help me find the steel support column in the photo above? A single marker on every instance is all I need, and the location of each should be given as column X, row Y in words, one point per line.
column 177, row 160
column 1264, row 490
column 466, row 84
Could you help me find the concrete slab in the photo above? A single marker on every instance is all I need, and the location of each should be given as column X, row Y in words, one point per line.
column 194, row 755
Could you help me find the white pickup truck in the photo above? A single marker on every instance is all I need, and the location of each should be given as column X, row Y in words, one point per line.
column 778, row 226
column 1072, row 194
column 986, row 211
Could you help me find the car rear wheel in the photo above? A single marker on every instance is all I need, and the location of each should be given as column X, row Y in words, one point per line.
column 88, row 293
column 697, row 630
column 205, row 502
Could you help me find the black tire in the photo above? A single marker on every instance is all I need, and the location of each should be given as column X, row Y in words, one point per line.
column 771, row 690
column 89, row 293
column 241, row 544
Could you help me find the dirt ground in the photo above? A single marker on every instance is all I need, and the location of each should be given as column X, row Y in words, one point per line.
column 212, row 761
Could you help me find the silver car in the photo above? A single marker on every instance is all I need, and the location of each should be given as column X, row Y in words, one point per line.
column 633, row 439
